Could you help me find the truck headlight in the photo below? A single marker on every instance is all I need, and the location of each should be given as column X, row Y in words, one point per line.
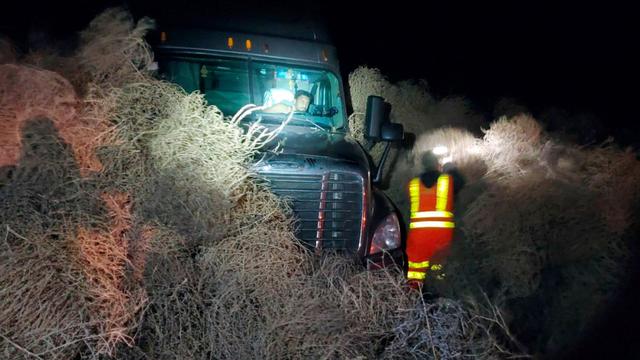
column 387, row 235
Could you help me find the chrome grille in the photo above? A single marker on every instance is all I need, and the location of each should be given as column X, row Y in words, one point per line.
column 328, row 206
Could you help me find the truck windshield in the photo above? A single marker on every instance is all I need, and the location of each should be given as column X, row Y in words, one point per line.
column 313, row 94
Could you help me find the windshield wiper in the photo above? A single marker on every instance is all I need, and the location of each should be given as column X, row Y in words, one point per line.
column 296, row 118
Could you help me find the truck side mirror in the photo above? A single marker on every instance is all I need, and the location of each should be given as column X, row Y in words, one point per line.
column 391, row 132
column 377, row 114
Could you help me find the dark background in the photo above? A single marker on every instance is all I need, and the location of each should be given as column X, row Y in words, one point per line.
column 581, row 58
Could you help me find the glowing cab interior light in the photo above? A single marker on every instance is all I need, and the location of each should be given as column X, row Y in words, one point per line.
column 230, row 42
column 440, row 150
column 163, row 36
column 248, row 44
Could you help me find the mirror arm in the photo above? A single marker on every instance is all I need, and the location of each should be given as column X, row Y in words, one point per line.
column 378, row 178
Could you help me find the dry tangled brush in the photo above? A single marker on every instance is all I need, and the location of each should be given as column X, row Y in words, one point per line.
column 132, row 228
column 413, row 105
column 68, row 283
column 541, row 222
column 567, row 213
column 64, row 256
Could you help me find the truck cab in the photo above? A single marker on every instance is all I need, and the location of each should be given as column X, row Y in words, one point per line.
column 325, row 174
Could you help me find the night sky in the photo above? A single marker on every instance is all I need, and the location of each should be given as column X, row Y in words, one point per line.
column 579, row 58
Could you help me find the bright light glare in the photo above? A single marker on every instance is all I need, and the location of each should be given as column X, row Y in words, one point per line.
column 440, row 150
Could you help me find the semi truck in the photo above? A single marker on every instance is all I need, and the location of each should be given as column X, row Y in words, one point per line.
column 328, row 177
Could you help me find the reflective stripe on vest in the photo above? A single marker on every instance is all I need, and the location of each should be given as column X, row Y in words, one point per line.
column 432, row 224
column 431, row 214
column 416, row 275
column 419, row 265
column 442, row 192
column 414, row 194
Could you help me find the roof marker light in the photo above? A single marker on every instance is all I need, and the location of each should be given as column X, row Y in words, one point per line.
column 230, row 42
column 248, row 44
column 163, row 37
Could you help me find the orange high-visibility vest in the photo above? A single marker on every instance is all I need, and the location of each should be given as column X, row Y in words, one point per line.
column 431, row 224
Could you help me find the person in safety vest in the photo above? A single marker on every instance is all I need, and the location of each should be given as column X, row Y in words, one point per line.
column 431, row 222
